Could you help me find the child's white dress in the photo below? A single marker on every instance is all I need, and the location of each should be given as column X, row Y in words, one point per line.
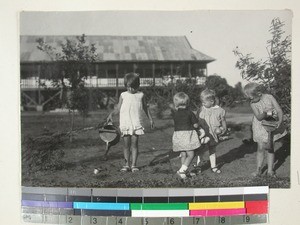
column 213, row 117
column 259, row 132
column 131, row 114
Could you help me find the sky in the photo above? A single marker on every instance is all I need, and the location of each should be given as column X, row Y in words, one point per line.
column 212, row 32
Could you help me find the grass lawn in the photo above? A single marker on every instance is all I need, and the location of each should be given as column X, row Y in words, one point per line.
column 157, row 163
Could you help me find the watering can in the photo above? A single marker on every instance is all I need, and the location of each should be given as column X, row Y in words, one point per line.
column 110, row 134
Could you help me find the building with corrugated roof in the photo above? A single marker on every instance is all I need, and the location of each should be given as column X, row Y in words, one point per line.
column 158, row 60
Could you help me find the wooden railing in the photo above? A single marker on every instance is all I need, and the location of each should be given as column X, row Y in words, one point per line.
column 94, row 82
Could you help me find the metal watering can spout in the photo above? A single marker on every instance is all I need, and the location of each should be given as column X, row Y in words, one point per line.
column 110, row 134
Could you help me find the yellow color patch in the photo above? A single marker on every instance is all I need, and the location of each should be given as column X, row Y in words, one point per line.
column 216, row 205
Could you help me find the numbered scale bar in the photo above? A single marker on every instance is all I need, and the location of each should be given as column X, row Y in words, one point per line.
column 97, row 220
column 208, row 206
column 159, row 195
column 150, row 209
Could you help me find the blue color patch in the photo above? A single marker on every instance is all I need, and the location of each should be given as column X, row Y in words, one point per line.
column 101, row 206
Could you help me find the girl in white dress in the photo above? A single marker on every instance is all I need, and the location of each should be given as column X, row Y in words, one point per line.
column 131, row 106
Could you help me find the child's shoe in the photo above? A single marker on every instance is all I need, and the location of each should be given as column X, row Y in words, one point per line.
column 182, row 175
column 134, row 169
column 196, row 171
column 257, row 173
column 271, row 174
column 125, row 169
column 223, row 138
column 215, row 170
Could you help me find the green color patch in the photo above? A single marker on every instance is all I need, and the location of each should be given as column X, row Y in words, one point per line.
column 159, row 206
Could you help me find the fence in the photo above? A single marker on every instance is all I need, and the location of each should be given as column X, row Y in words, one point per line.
column 94, row 82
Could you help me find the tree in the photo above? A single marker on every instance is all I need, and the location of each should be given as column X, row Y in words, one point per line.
column 275, row 72
column 162, row 97
column 72, row 63
column 223, row 90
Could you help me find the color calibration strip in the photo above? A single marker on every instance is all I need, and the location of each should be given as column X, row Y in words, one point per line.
column 85, row 206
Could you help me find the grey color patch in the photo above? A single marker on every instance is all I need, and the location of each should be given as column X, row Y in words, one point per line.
column 33, row 197
column 32, row 210
column 163, row 192
column 181, row 192
column 55, row 198
column 130, row 192
column 80, row 191
column 104, row 192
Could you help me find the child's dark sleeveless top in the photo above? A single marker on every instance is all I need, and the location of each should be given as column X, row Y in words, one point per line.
column 184, row 119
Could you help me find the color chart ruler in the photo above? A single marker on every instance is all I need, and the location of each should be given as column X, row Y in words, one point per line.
column 182, row 206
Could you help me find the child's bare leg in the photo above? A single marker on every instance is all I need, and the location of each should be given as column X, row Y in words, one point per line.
column 260, row 155
column 270, row 158
column 199, row 156
column 127, row 143
column 183, row 167
column 189, row 158
column 196, row 156
column 134, row 149
column 182, row 157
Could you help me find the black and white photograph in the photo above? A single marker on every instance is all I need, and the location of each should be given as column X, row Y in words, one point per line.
column 155, row 99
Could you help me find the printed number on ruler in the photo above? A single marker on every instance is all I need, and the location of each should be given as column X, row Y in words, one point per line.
column 246, row 219
column 196, row 220
column 73, row 219
column 120, row 221
column 174, row 221
column 222, row 220
column 93, row 220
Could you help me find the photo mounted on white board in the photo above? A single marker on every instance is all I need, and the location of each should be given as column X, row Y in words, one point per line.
column 155, row 99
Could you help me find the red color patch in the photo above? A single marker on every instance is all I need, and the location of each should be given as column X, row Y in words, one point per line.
column 256, row 207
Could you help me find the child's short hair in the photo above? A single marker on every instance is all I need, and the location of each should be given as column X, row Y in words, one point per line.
column 252, row 89
column 132, row 80
column 181, row 100
column 208, row 95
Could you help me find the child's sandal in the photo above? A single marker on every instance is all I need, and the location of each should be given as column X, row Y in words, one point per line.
column 134, row 169
column 272, row 175
column 257, row 173
column 215, row 170
column 196, row 170
column 125, row 169
column 182, row 175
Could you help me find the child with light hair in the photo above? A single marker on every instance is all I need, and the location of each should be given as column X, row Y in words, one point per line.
column 213, row 116
column 264, row 107
column 185, row 138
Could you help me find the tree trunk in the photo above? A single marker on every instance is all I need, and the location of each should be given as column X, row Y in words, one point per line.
column 72, row 114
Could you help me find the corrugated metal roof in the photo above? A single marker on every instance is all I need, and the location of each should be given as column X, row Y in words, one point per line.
column 121, row 48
